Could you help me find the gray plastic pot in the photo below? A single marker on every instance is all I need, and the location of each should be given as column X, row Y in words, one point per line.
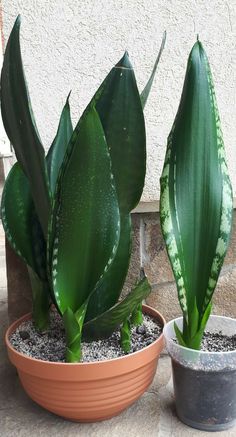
column 204, row 382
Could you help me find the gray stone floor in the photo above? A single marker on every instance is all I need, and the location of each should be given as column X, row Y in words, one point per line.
column 152, row 415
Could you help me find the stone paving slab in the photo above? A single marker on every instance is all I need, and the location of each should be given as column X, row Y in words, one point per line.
column 153, row 415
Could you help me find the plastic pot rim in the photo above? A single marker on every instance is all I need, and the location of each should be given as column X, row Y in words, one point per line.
column 170, row 340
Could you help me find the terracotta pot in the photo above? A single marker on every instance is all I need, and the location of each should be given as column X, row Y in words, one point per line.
column 87, row 392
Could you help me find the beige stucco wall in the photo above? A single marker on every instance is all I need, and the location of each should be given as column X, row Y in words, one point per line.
column 72, row 44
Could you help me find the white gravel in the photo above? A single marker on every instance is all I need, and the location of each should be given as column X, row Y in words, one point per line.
column 51, row 345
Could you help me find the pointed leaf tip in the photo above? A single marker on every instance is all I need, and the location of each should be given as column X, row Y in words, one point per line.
column 17, row 21
column 68, row 97
column 124, row 62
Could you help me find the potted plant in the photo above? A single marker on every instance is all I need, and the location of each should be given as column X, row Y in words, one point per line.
column 196, row 214
column 67, row 215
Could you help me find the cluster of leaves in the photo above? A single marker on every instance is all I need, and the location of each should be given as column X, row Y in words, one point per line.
column 67, row 214
column 196, row 198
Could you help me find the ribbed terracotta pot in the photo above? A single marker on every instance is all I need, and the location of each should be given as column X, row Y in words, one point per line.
column 87, row 392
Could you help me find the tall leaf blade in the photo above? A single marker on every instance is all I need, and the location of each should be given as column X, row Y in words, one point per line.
column 106, row 323
column 146, row 91
column 85, row 218
column 119, row 107
column 20, row 125
column 20, row 222
column 109, row 288
column 58, row 148
column 118, row 103
column 196, row 194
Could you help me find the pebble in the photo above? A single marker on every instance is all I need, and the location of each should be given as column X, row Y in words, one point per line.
column 141, row 329
column 24, row 335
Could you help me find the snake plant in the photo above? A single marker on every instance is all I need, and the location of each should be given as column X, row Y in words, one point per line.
column 67, row 214
column 196, row 198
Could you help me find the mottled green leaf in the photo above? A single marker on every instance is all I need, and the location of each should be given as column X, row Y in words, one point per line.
column 196, row 194
column 58, row 148
column 85, row 222
column 106, row 323
column 20, row 125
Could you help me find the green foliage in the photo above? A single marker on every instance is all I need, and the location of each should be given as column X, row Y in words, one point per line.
column 67, row 215
column 85, row 227
column 125, row 336
column 40, row 300
column 103, row 325
column 58, row 148
column 73, row 323
column 137, row 316
column 196, row 198
column 25, row 236
column 19, row 123
column 146, row 91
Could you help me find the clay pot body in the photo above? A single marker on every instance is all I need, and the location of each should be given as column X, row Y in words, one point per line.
column 87, row 392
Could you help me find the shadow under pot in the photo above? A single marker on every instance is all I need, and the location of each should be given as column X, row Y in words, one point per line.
column 204, row 382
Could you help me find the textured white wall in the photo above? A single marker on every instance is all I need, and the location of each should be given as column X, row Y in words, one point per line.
column 73, row 44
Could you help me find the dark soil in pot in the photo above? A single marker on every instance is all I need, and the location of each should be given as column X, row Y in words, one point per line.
column 51, row 345
column 206, row 399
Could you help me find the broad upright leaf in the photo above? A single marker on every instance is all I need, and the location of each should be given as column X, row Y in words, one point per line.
column 85, row 218
column 145, row 93
column 20, row 221
column 20, row 125
column 196, row 194
column 25, row 235
column 58, row 148
column 109, row 288
column 119, row 107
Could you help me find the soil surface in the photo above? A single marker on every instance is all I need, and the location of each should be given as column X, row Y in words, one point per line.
column 51, row 345
column 218, row 342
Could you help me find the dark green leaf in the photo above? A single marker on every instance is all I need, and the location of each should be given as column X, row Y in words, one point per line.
column 20, row 222
column 40, row 300
column 196, row 194
column 106, row 323
column 58, row 148
column 85, row 222
column 145, row 93
column 20, row 125
column 109, row 288
column 119, row 107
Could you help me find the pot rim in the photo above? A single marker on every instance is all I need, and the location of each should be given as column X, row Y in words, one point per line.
column 170, row 340
column 146, row 308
